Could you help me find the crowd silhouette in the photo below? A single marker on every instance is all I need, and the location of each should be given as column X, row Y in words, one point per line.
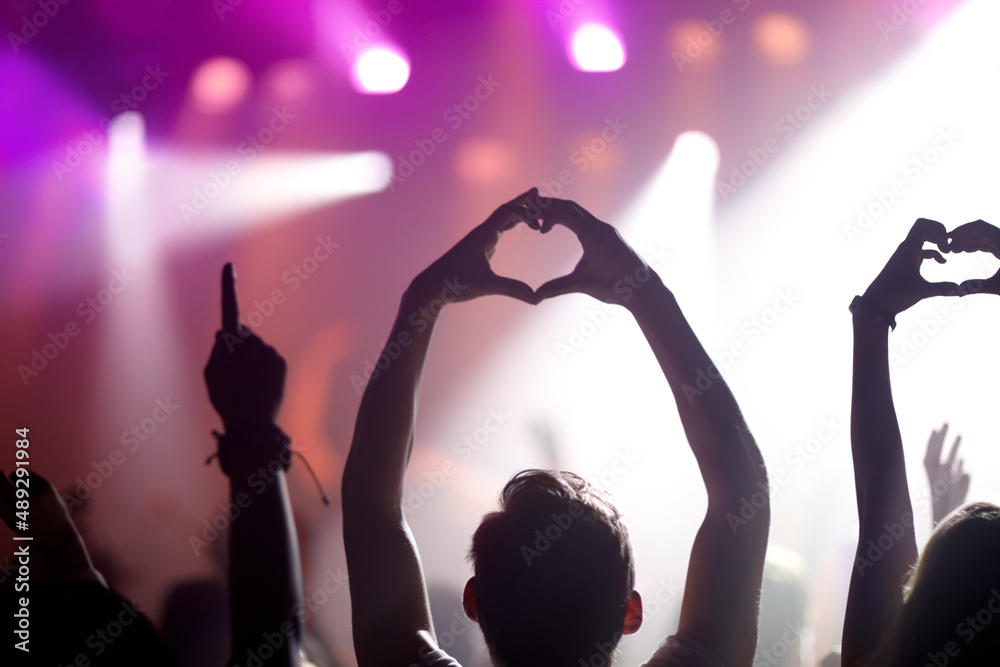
column 553, row 573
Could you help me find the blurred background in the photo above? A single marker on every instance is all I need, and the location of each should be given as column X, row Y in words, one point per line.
column 765, row 156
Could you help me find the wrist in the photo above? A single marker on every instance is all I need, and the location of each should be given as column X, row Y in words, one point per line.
column 648, row 295
column 244, row 448
column 868, row 309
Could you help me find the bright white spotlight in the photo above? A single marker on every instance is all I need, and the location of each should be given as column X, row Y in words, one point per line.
column 595, row 48
column 380, row 71
column 209, row 200
column 126, row 177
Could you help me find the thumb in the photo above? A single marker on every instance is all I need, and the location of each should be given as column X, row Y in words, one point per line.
column 567, row 284
column 941, row 289
column 513, row 288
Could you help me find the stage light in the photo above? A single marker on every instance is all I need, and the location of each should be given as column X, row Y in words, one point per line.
column 214, row 194
column 291, row 81
column 781, row 39
column 128, row 239
column 694, row 46
column 219, row 85
column 380, row 70
column 486, row 163
column 595, row 48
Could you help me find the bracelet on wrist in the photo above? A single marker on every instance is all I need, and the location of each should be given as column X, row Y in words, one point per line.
column 248, row 447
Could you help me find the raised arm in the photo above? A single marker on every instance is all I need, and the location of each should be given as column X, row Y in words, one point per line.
column 62, row 554
column 949, row 483
column 391, row 617
column 720, row 605
column 886, row 543
column 246, row 381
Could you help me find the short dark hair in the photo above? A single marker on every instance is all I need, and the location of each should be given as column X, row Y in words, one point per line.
column 554, row 571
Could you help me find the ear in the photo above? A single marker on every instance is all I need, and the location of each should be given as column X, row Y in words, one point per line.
column 470, row 602
column 633, row 614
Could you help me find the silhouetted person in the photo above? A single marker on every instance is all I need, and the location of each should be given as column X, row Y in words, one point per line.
column 567, row 601
column 938, row 617
column 246, row 382
column 72, row 618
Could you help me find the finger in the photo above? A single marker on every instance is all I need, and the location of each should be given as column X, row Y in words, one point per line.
column 230, row 305
column 512, row 288
column 950, row 461
column 977, row 286
column 563, row 212
column 962, row 488
column 925, row 229
column 521, row 198
column 567, row 284
column 518, row 214
column 941, row 289
column 931, row 254
column 934, row 444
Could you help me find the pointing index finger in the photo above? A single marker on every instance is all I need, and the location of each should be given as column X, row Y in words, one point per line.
column 230, row 305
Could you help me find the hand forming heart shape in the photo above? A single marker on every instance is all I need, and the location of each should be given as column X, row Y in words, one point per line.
column 464, row 272
column 900, row 285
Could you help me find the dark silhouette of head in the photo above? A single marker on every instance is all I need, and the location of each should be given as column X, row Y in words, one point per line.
column 554, row 573
column 952, row 600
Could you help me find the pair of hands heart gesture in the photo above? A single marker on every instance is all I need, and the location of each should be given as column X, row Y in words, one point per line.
column 607, row 258
column 900, row 284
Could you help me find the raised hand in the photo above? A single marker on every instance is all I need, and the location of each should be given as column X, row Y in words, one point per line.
column 949, row 483
column 464, row 272
column 900, row 284
column 53, row 533
column 245, row 376
column 975, row 237
column 610, row 270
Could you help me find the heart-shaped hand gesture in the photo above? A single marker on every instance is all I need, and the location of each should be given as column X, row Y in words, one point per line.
column 464, row 272
column 975, row 237
column 610, row 270
column 900, row 285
